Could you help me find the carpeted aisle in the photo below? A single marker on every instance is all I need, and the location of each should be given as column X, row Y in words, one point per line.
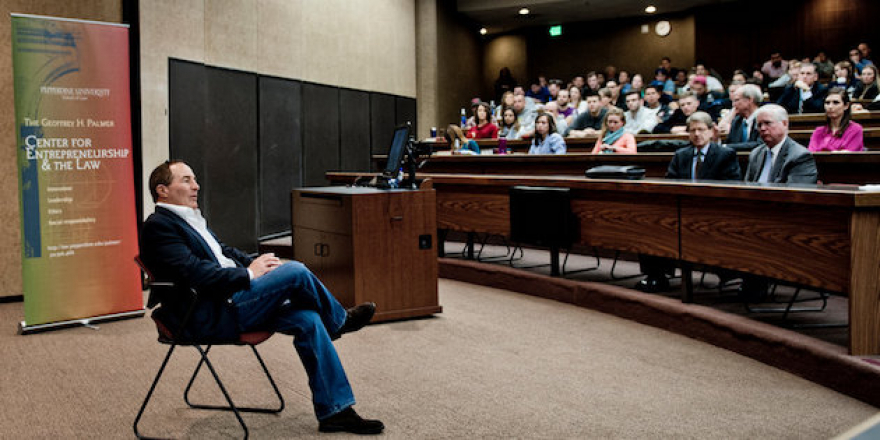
column 495, row 364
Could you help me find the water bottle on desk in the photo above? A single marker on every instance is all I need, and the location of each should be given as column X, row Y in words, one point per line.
column 463, row 118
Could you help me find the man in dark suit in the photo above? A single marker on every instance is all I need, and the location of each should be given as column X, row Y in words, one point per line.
column 238, row 293
column 743, row 134
column 702, row 160
column 779, row 159
column 806, row 95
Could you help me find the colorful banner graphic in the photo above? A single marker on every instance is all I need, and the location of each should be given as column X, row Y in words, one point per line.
column 72, row 112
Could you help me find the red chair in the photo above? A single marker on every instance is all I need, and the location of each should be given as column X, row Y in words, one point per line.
column 168, row 337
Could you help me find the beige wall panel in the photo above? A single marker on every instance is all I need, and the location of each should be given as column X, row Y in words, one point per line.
column 280, row 41
column 322, row 37
column 505, row 51
column 231, row 34
column 392, row 49
column 10, row 225
column 169, row 29
column 426, row 66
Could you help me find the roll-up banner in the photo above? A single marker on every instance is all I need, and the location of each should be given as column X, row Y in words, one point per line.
column 73, row 127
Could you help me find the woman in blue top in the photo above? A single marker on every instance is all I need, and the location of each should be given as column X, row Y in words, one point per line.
column 547, row 140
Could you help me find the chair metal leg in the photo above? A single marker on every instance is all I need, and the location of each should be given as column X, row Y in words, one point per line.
column 150, row 394
column 264, row 410
column 614, row 265
column 485, row 239
column 231, row 406
column 565, row 262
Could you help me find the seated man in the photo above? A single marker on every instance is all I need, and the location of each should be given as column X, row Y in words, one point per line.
column 638, row 119
column 779, row 159
column 525, row 116
column 238, row 293
column 677, row 122
column 702, row 160
column 655, row 105
column 589, row 122
column 743, row 131
column 806, row 95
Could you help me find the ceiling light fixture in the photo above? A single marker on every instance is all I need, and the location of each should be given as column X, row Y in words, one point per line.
column 651, row 9
column 524, row 11
column 483, row 31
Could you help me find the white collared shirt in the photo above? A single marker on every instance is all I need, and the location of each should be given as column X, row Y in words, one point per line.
column 194, row 218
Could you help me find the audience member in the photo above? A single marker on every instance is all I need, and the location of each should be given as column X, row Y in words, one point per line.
column 865, row 51
column 790, row 76
column 858, row 62
column 666, row 64
column 593, row 84
column 458, row 142
column 605, row 98
column 483, row 127
column 610, row 74
column 681, row 82
column 580, row 82
column 712, row 83
column 637, row 83
column 824, row 66
column 613, row 138
column 553, row 89
column 654, row 105
column 616, row 97
column 779, row 159
column 509, row 125
column 775, row 67
column 843, row 76
column 525, row 115
column 806, row 95
column 743, row 132
column 839, row 133
column 623, row 79
column 702, row 160
column 506, row 101
column 589, row 122
column 677, row 122
column 577, row 102
column 547, row 140
column 504, row 83
column 562, row 104
column 866, row 88
column 553, row 109
column 665, row 85
column 638, row 119
column 537, row 92
column 706, row 99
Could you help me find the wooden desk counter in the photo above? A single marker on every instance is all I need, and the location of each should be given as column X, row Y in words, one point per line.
column 846, row 168
column 824, row 237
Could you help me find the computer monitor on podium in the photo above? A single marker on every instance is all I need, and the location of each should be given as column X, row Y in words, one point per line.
column 397, row 151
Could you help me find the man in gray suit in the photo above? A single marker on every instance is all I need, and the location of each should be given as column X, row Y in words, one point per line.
column 779, row 159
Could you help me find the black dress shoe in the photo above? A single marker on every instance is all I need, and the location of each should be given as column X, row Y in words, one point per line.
column 349, row 421
column 356, row 318
column 653, row 285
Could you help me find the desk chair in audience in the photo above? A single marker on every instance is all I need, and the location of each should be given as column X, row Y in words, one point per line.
column 173, row 337
column 542, row 216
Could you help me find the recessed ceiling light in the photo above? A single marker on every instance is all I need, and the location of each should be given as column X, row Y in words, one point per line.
column 651, row 9
column 524, row 11
column 483, row 31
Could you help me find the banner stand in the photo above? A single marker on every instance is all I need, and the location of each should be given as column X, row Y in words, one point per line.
column 24, row 329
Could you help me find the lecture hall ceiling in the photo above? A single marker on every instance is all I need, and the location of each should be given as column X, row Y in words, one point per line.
column 503, row 15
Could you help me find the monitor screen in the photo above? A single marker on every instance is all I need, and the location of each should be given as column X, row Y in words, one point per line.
column 397, row 150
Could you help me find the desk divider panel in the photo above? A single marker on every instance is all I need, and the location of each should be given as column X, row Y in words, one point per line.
column 763, row 237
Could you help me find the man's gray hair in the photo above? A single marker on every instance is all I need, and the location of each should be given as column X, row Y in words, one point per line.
column 752, row 92
column 775, row 111
column 700, row 117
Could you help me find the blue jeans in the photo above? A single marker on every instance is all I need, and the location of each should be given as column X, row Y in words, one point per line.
column 292, row 300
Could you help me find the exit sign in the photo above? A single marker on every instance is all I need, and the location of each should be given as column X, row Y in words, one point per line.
column 555, row 31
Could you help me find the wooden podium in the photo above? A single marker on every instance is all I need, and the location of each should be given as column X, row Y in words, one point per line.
column 368, row 244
